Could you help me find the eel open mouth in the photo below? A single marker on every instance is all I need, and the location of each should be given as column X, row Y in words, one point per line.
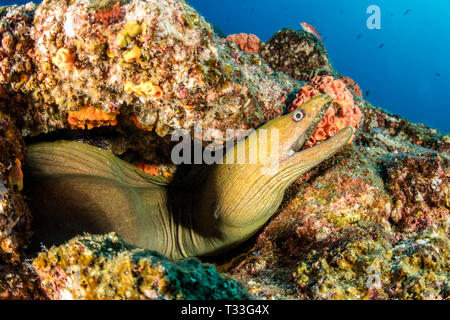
column 303, row 139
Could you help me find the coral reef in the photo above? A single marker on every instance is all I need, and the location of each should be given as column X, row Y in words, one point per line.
column 104, row 267
column 352, row 86
column 157, row 60
column 343, row 113
column 371, row 267
column 89, row 117
column 372, row 223
column 14, row 215
column 16, row 280
column 247, row 42
column 299, row 54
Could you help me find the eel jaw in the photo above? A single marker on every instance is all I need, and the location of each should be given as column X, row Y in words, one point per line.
column 301, row 162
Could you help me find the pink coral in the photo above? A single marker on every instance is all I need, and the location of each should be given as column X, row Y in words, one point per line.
column 343, row 113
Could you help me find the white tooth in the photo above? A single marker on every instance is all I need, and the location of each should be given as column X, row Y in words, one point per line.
column 291, row 153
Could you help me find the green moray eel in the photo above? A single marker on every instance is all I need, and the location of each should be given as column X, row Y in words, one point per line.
column 75, row 188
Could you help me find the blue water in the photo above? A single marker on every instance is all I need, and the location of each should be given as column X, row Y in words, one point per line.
column 401, row 77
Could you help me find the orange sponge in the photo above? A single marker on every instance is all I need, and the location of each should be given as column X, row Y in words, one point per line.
column 90, row 117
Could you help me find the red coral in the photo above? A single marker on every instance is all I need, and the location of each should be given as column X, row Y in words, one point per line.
column 343, row 113
column 247, row 42
column 110, row 16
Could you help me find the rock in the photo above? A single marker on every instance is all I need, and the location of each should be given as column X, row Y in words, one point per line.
column 299, row 54
column 16, row 279
column 104, row 267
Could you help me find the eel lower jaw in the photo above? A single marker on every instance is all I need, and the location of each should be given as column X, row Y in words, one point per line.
column 322, row 151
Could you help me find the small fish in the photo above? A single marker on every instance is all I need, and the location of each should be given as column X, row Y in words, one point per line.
column 367, row 93
column 381, row 46
column 392, row 14
column 342, row 11
column 309, row 28
column 407, row 11
column 359, row 36
column 438, row 74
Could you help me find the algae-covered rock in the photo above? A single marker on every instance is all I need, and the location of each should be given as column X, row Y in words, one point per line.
column 104, row 267
column 370, row 266
column 16, row 280
column 156, row 61
column 299, row 54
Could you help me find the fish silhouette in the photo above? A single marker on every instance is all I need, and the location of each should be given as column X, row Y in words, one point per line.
column 367, row 93
column 407, row 11
column 381, row 46
column 359, row 36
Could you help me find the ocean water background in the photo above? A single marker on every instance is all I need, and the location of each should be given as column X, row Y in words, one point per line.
column 408, row 76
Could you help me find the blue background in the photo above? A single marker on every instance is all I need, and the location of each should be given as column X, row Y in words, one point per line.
column 401, row 76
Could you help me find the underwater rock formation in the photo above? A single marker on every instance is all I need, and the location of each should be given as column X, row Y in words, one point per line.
column 157, row 61
column 14, row 215
column 104, row 267
column 371, row 223
column 352, row 86
column 343, row 112
column 16, row 280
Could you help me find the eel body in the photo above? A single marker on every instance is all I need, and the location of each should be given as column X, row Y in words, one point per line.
column 75, row 188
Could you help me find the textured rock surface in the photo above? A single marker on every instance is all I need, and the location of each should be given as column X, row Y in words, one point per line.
column 157, row 61
column 104, row 267
column 297, row 53
column 16, row 280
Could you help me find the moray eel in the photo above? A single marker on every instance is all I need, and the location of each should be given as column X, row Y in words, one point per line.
column 75, row 188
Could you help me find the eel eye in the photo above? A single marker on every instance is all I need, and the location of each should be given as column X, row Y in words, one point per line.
column 297, row 115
